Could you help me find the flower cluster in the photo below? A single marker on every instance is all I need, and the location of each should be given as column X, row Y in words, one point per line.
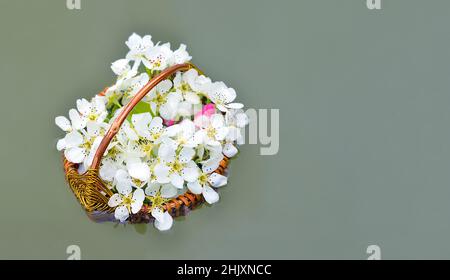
column 173, row 140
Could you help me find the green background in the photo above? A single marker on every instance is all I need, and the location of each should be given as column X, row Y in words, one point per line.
column 364, row 99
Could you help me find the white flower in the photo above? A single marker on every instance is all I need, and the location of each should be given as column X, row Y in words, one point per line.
column 142, row 136
column 180, row 56
column 126, row 201
column 144, row 130
column 64, row 123
column 129, row 87
column 122, row 69
column 213, row 130
column 206, row 180
column 123, row 179
column 138, row 47
column 139, row 171
column 175, row 168
column 163, row 101
column 158, row 194
column 94, row 111
column 126, row 88
column 126, row 136
column 109, row 168
column 147, row 127
column 186, row 85
column 222, row 96
column 182, row 134
column 81, row 146
column 158, row 57
column 67, row 126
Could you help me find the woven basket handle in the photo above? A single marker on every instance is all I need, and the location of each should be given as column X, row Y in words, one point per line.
column 115, row 126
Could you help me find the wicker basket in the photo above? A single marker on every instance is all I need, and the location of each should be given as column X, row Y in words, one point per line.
column 92, row 192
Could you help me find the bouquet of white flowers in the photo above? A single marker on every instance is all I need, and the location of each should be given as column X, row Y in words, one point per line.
column 156, row 143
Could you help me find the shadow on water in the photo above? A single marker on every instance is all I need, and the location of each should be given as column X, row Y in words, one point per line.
column 141, row 228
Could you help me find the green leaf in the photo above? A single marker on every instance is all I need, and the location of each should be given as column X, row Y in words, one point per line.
column 149, row 72
column 141, row 107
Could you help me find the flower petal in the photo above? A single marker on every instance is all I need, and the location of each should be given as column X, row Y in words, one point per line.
column 177, row 181
column 166, row 152
column 141, row 120
column 216, row 180
column 121, row 213
column 156, row 124
column 139, row 195
column 161, row 172
column 180, row 55
column 217, row 120
column 84, row 106
column 133, row 41
column 115, row 200
column 157, row 213
column 93, row 129
column 138, row 199
column 195, row 187
column 168, row 191
column 107, row 170
column 235, row 105
column 201, row 121
column 99, row 105
column 164, row 86
column 61, row 144
column 229, row 150
column 211, row 164
column 190, row 174
column 123, row 182
column 186, row 154
column 221, row 108
column 221, row 133
column 192, row 98
column 230, row 95
column 152, row 189
column 77, row 121
column 164, row 223
column 234, row 133
column 139, row 170
column 73, row 139
column 210, row 195
column 190, row 75
column 168, row 111
column 128, row 131
column 120, row 66
column 63, row 123
column 75, row 154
